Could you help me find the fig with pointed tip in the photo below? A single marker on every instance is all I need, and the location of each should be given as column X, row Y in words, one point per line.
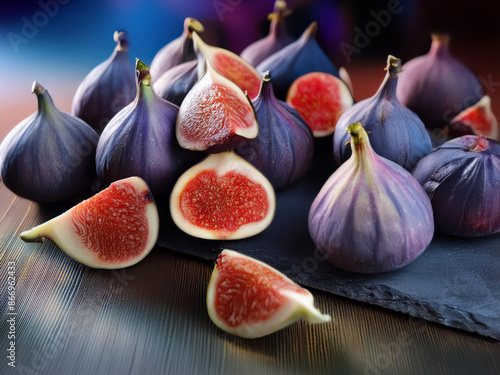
column 222, row 197
column 371, row 215
column 50, row 155
column 296, row 59
column 283, row 149
column 478, row 119
column 396, row 132
column 176, row 82
column 178, row 51
column 107, row 88
column 115, row 228
column 320, row 98
column 140, row 141
column 215, row 115
column 462, row 178
column 229, row 64
column 437, row 86
column 277, row 38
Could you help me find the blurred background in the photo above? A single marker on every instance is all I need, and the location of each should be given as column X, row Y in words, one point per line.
column 57, row 42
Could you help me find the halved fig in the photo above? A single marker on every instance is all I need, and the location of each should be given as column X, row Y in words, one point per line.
column 320, row 98
column 215, row 115
column 248, row 298
column 223, row 197
column 115, row 228
column 230, row 65
column 477, row 119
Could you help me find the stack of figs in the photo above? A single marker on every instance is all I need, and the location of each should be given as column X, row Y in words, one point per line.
column 214, row 135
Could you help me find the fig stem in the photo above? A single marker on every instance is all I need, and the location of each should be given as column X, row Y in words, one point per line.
column 393, row 66
column 32, row 235
column 310, row 32
column 440, row 44
column 266, row 77
column 143, row 74
column 120, row 37
column 191, row 24
column 45, row 103
column 358, row 134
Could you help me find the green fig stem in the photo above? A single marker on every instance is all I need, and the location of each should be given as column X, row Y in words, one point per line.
column 393, row 66
column 266, row 77
column 32, row 235
column 358, row 134
column 191, row 24
column 440, row 44
column 281, row 11
column 45, row 104
column 143, row 74
column 120, row 37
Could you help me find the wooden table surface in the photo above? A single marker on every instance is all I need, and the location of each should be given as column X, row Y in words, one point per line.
column 151, row 318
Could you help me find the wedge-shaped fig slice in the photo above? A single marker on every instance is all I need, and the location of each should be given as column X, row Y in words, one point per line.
column 223, row 197
column 215, row 115
column 320, row 98
column 250, row 299
column 477, row 119
column 116, row 228
column 229, row 64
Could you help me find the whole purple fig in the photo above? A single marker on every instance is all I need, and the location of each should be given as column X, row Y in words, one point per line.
column 396, row 132
column 371, row 215
column 178, row 51
column 140, row 141
column 107, row 88
column 437, row 86
column 49, row 156
column 176, row 82
column 462, row 178
column 283, row 149
column 277, row 38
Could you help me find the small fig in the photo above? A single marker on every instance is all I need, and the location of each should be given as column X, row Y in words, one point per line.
column 248, row 298
column 49, row 156
column 462, row 178
column 396, row 132
column 283, row 149
column 320, row 98
column 215, row 115
column 107, row 88
column 229, row 64
column 178, row 51
column 222, row 197
column 371, row 215
column 140, row 141
column 115, row 228
column 437, row 86
column 277, row 38
column 298, row 58
column 176, row 82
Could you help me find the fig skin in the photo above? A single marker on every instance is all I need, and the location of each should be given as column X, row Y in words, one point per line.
column 140, row 141
column 396, row 132
column 436, row 86
column 49, row 156
column 176, row 82
column 296, row 59
column 107, row 88
column 462, row 178
column 371, row 215
column 284, row 147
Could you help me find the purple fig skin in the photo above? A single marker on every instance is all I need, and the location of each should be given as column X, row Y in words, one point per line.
column 437, row 86
column 277, row 38
column 178, row 51
column 284, row 147
column 462, row 178
column 176, row 82
column 396, row 132
column 371, row 215
column 296, row 59
column 140, row 141
column 50, row 156
column 107, row 88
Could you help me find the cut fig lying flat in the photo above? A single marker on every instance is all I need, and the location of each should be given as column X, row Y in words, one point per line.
column 222, row 197
column 250, row 299
column 116, row 228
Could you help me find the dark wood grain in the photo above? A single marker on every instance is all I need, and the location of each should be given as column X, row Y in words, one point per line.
column 151, row 319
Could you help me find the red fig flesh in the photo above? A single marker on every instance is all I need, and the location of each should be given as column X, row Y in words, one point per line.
column 116, row 228
column 250, row 299
column 222, row 197
column 477, row 119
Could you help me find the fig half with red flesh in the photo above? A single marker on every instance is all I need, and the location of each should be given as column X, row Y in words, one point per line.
column 477, row 119
column 230, row 65
column 320, row 98
column 248, row 298
column 115, row 228
column 215, row 115
column 222, row 197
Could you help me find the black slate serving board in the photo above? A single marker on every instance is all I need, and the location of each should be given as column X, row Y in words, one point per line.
column 455, row 282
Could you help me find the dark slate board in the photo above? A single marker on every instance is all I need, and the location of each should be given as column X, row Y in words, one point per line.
column 455, row 282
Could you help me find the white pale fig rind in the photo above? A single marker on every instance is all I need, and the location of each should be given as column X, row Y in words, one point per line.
column 61, row 231
column 222, row 163
column 297, row 306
